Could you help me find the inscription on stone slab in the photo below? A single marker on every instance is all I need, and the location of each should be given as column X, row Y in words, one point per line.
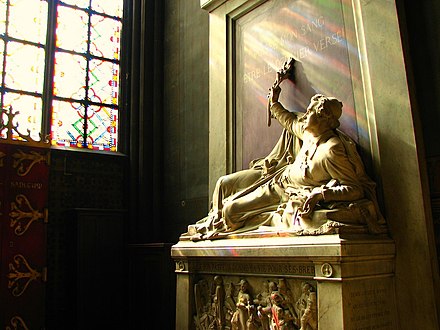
column 252, row 267
column 370, row 305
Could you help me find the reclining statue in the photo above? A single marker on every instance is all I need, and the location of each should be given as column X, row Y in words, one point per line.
column 313, row 181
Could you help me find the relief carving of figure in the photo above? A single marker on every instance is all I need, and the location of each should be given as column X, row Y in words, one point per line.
column 309, row 319
column 244, row 315
column 305, row 308
column 263, row 300
column 312, row 182
column 280, row 317
column 204, row 317
column 219, row 303
column 274, row 307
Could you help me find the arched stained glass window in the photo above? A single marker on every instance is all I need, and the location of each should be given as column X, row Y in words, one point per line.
column 60, row 69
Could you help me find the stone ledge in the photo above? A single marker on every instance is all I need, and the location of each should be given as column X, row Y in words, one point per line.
column 336, row 245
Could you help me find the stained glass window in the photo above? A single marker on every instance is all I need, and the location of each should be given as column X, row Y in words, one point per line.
column 61, row 60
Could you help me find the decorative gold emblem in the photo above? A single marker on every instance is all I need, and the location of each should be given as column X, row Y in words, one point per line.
column 17, row 323
column 23, row 215
column 21, row 274
column 24, row 162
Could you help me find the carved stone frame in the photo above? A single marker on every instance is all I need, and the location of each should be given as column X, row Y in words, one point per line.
column 383, row 97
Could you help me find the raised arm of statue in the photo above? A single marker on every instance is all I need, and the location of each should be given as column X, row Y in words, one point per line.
column 286, row 72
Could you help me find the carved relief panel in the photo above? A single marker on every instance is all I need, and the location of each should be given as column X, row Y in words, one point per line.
column 242, row 303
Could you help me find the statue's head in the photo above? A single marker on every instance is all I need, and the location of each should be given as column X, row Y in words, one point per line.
column 244, row 285
column 218, row 280
column 326, row 107
column 276, row 298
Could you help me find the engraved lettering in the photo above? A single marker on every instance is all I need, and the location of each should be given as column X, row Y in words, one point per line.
column 254, row 268
column 316, row 23
column 327, row 41
column 26, row 185
column 369, row 308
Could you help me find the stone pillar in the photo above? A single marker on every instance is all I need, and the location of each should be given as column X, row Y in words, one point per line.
column 184, row 297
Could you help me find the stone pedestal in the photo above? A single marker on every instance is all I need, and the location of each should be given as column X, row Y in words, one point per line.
column 351, row 277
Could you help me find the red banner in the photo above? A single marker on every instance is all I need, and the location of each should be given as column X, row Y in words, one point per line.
column 24, row 175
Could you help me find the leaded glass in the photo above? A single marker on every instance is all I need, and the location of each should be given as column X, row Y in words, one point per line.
column 72, row 29
column 69, row 77
column 64, row 131
column 105, row 36
column 23, row 63
column 24, row 67
column 112, row 8
column 104, row 77
column 2, row 47
column 96, row 75
column 102, row 128
column 83, row 101
column 3, row 8
column 28, row 20
column 68, row 126
column 79, row 3
column 29, row 113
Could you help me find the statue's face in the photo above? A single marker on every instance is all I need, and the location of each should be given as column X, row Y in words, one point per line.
column 311, row 119
column 314, row 121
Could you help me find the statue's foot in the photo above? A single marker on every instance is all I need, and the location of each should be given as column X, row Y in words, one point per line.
column 196, row 229
column 192, row 230
column 197, row 237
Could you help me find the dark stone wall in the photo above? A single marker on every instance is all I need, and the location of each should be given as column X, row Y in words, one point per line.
column 421, row 39
column 78, row 180
column 185, row 116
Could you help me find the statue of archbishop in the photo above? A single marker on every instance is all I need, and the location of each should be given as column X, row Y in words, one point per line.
column 312, row 182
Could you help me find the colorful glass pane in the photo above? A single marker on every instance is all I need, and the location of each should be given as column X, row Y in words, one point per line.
column 3, row 8
column 112, row 8
column 105, row 37
column 104, row 82
column 2, row 47
column 72, row 29
column 24, row 67
column 28, row 20
column 28, row 120
column 79, row 3
column 102, row 128
column 67, row 124
column 69, row 77
column 84, row 99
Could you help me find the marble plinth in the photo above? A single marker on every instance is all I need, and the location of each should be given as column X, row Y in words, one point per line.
column 351, row 277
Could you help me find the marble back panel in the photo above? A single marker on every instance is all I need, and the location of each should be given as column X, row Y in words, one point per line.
column 315, row 33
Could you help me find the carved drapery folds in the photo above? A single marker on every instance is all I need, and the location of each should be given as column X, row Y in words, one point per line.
column 230, row 302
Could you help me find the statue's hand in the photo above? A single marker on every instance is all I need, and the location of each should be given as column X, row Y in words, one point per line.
column 311, row 201
column 274, row 94
column 286, row 72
